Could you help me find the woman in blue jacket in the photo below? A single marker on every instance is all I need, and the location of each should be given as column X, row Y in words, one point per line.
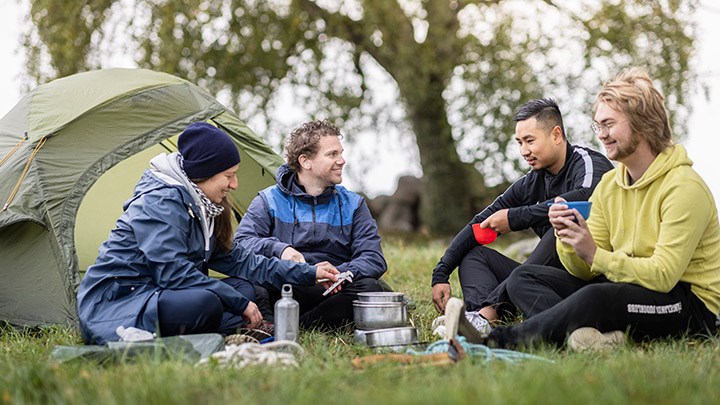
column 152, row 272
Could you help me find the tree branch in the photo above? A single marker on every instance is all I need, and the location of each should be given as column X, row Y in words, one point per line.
column 378, row 18
column 574, row 17
column 354, row 31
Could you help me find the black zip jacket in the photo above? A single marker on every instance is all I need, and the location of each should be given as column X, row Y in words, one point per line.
column 526, row 201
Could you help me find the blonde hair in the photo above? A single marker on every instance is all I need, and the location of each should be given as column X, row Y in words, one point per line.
column 632, row 92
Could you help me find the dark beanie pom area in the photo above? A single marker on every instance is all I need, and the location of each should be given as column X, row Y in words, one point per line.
column 206, row 150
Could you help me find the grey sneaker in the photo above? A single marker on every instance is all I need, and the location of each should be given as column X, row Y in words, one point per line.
column 591, row 339
column 479, row 322
column 457, row 323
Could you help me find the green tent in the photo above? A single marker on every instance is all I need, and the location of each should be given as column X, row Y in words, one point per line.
column 71, row 152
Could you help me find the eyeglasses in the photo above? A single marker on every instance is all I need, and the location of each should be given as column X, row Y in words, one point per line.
column 599, row 128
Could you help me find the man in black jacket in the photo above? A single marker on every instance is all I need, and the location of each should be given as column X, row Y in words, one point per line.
column 558, row 169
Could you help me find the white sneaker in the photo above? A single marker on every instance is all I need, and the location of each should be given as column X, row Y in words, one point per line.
column 438, row 326
column 591, row 339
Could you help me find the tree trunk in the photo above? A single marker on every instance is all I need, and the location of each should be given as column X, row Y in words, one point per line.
column 447, row 203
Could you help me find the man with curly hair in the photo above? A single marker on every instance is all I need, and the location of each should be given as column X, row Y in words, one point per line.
column 309, row 217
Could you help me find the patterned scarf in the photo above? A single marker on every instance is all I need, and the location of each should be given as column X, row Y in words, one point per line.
column 211, row 209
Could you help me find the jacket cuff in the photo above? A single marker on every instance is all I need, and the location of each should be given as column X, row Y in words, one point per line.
column 439, row 277
column 278, row 249
column 513, row 215
column 601, row 261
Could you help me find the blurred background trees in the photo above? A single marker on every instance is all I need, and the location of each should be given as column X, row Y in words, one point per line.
column 448, row 74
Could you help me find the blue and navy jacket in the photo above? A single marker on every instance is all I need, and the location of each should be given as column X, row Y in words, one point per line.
column 335, row 226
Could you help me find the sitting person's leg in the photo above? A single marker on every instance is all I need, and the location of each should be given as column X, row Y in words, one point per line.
column 545, row 253
column 244, row 287
column 264, row 302
column 608, row 306
column 533, row 289
column 331, row 311
column 480, row 272
column 185, row 312
column 255, row 293
column 231, row 322
column 498, row 301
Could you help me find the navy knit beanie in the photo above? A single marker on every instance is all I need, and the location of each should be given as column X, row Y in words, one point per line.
column 206, row 150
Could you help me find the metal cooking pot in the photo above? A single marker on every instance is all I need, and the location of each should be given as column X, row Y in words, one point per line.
column 380, row 297
column 391, row 337
column 379, row 315
column 359, row 336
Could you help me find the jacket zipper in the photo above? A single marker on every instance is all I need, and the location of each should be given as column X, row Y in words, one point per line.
column 314, row 219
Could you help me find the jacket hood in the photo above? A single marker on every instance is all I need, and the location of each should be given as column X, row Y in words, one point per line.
column 286, row 181
column 672, row 157
column 166, row 171
column 155, row 179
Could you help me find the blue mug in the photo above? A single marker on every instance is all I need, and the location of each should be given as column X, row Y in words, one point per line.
column 583, row 207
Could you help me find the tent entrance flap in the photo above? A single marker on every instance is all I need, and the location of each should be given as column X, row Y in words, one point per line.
column 102, row 204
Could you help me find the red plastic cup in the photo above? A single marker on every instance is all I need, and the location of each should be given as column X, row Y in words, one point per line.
column 483, row 236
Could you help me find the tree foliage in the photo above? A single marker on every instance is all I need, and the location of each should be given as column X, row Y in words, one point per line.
column 457, row 69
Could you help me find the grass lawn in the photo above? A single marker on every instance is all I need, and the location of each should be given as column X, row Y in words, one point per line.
column 663, row 372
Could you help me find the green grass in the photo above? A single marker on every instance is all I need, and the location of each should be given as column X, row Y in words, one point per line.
column 662, row 372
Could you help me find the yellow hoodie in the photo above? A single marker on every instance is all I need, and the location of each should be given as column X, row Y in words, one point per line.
column 656, row 232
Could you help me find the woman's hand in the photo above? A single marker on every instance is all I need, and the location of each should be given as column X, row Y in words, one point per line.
column 252, row 315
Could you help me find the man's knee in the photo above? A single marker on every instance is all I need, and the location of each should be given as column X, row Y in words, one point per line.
column 367, row 284
column 519, row 277
column 476, row 257
column 601, row 293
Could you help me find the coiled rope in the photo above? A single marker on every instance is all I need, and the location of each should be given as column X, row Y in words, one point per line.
column 281, row 353
column 476, row 350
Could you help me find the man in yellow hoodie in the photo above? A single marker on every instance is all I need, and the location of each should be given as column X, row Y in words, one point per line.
column 647, row 261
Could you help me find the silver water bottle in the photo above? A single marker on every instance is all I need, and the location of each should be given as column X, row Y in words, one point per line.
column 287, row 316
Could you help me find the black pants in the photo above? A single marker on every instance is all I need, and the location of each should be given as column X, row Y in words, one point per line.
column 483, row 272
column 316, row 310
column 556, row 303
